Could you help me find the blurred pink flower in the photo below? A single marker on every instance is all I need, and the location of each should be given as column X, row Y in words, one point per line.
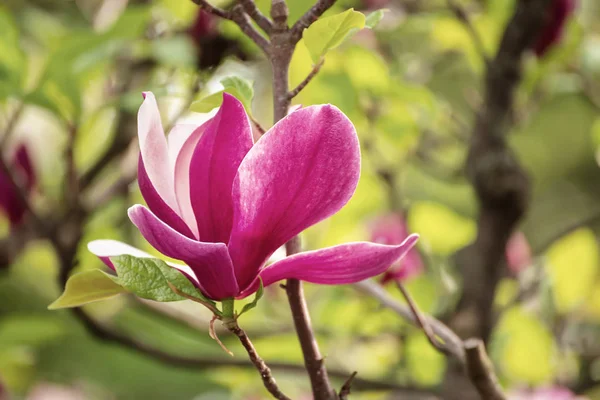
column 205, row 24
column 23, row 172
column 51, row 391
column 544, row 393
column 553, row 29
column 391, row 229
column 223, row 204
column 518, row 253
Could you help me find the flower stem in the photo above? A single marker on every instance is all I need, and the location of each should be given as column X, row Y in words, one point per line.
column 261, row 366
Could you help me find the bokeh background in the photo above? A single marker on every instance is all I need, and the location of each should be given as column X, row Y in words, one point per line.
column 71, row 74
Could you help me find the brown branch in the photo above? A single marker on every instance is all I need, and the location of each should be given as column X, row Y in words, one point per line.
column 315, row 365
column 501, row 184
column 257, row 361
column 309, row 17
column 481, row 371
column 238, row 15
column 463, row 16
column 294, row 92
column 347, row 387
column 11, row 123
column 260, row 19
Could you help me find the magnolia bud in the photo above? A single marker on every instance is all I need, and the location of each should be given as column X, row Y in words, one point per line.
column 552, row 31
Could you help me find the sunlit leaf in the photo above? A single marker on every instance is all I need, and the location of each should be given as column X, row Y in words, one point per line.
column 440, row 228
column 520, row 333
column 573, row 268
column 374, row 18
column 329, row 32
column 149, row 278
column 86, row 287
column 426, row 365
column 238, row 87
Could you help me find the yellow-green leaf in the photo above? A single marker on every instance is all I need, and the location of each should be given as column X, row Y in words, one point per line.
column 373, row 19
column 329, row 32
column 443, row 230
column 86, row 287
column 573, row 267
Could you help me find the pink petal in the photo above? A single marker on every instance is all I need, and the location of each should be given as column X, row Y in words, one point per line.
column 105, row 248
column 157, row 204
column 346, row 263
column 182, row 178
column 214, row 164
column 301, row 171
column 209, row 261
column 155, row 152
column 177, row 138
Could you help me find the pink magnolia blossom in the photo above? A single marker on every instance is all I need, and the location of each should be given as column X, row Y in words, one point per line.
column 518, row 253
column 23, row 172
column 553, row 29
column 391, row 229
column 223, row 204
column 544, row 393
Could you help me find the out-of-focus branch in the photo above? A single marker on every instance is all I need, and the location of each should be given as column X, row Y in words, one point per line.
column 481, row 371
column 470, row 354
column 463, row 16
column 260, row 19
column 501, row 184
column 10, row 124
column 452, row 342
column 238, row 15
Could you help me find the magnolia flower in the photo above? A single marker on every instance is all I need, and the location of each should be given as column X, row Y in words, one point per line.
column 552, row 31
column 518, row 253
column 391, row 229
column 544, row 393
column 223, row 204
column 22, row 171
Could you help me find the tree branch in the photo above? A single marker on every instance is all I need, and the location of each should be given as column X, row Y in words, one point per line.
column 315, row 365
column 238, row 15
column 260, row 19
column 309, row 17
column 501, row 184
column 257, row 361
column 294, row 92
column 463, row 16
column 481, row 371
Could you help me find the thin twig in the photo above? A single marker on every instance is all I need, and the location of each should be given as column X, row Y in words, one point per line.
column 463, row 16
column 421, row 321
column 452, row 342
column 309, row 17
column 238, row 15
column 258, row 362
column 294, row 92
column 347, row 386
column 260, row 19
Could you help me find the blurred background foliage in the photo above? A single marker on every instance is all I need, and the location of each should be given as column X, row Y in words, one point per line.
column 74, row 70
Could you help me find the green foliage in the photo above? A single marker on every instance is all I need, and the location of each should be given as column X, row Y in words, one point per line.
column 238, row 87
column 149, row 278
column 374, row 18
column 329, row 32
column 86, row 287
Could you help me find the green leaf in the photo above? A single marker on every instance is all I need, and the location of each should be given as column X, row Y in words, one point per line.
column 257, row 297
column 573, row 268
column 149, row 278
column 86, row 287
column 238, row 87
column 208, row 103
column 373, row 19
column 329, row 32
